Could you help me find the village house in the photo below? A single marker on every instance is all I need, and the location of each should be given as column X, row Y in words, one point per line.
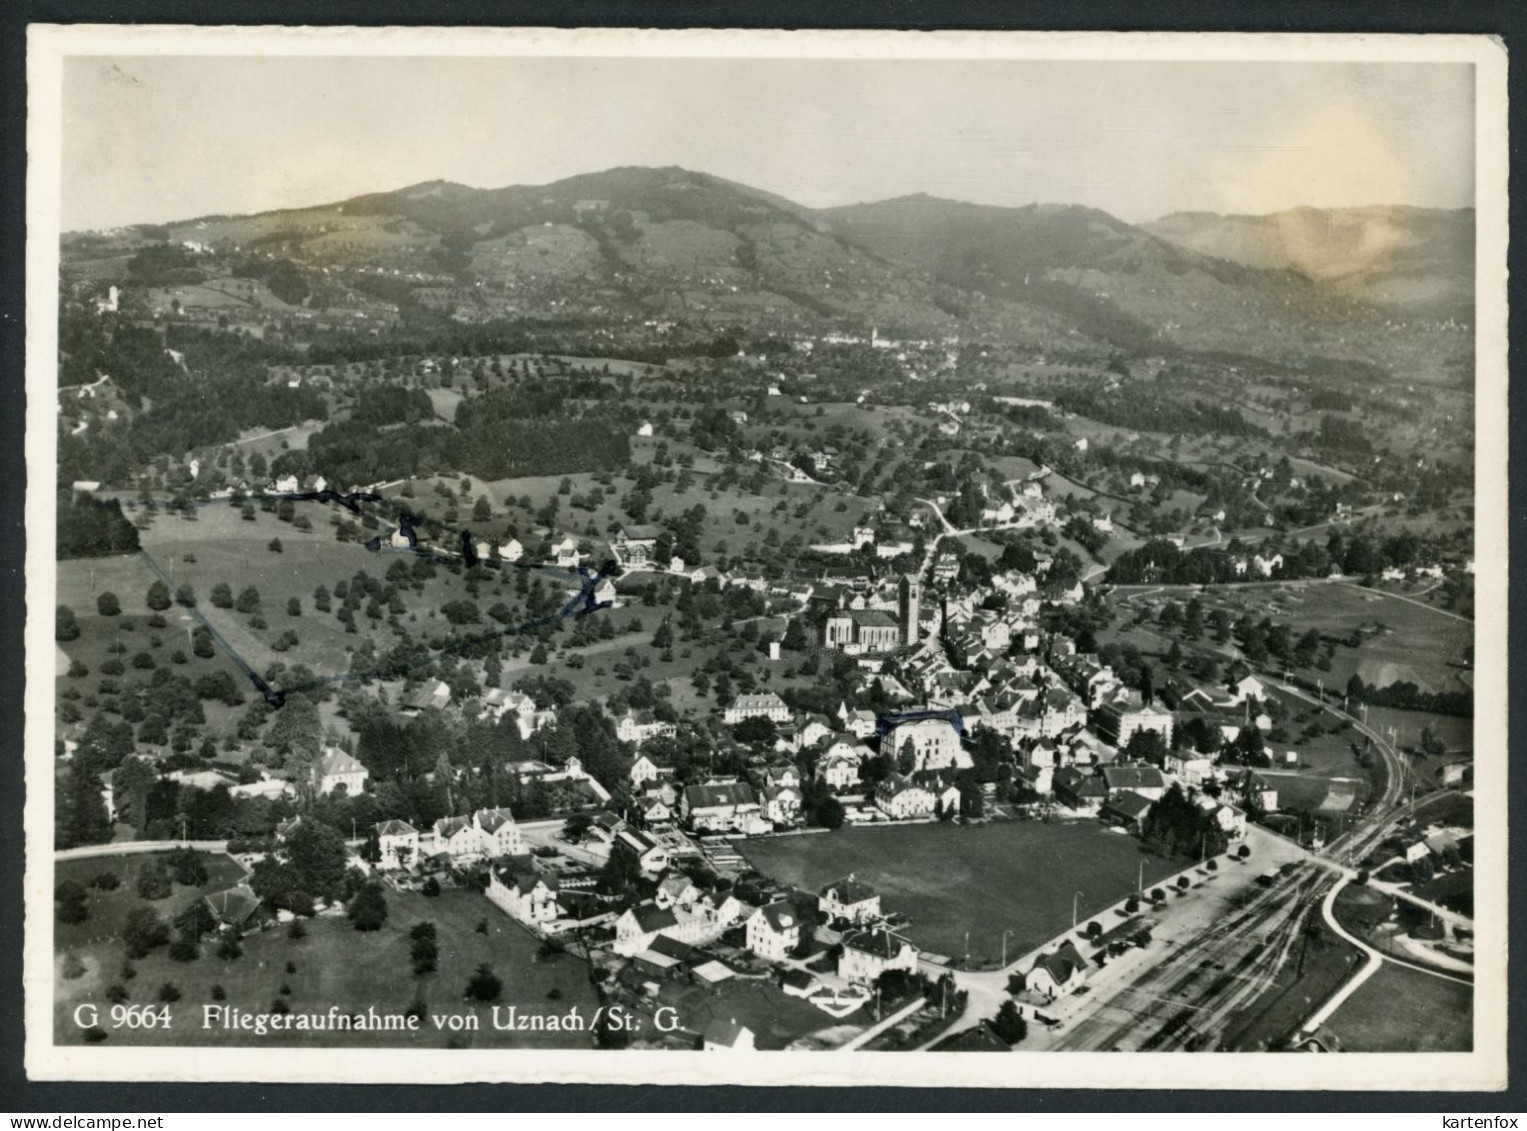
column 399, row 843
column 1079, row 790
column 1121, row 717
column 901, row 798
column 676, row 890
column 498, row 704
column 728, row 1035
column 773, row 931
column 849, row 899
column 640, row 924
column 636, row 544
column 1128, row 810
column 339, row 770
column 656, row 807
column 1231, row 821
column 1147, row 781
column 1248, row 687
column 869, row 954
column 458, row 837
column 649, row 855
column 767, row 705
column 643, row 769
column 721, row 807
column 498, row 835
column 838, row 769
column 235, row 908
column 782, row 804
column 427, row 696
column 1056, row 973
column 636, row 727
column 1253, row 789
column 934, row 744
column 529, row 898
column 860, row 724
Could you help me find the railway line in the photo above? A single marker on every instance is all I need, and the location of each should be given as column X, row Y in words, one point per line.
column 1184, row 1001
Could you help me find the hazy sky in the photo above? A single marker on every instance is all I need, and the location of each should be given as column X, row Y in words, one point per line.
column 153, row 138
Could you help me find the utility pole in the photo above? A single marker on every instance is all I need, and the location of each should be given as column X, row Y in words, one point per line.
column 1004, row 946
column 1074, row 897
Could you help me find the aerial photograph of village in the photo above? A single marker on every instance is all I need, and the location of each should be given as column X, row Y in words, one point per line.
column 592, row 599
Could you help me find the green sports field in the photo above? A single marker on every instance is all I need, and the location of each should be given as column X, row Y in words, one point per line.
column 981, row 879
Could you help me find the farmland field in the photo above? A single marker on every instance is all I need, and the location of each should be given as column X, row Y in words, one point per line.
column 1400, row 1010
column 980, row 879
column 1422, row 645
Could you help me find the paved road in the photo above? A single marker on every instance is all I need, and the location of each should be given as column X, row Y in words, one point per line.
column 133, row 847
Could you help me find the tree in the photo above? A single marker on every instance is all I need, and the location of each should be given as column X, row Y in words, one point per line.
column 1009, row 1023
column 756, row 728
column 143, row 930
column 107, row 604
column 158, row 597
column 483, row 510
column 153, row 879
column 186, row 866
column 368, row 910
column 274, row 546
column 1431, row 742
column 484, row 985
column 185, row 596
column 73, row 902
column 222, row 595
column 316, row 855
column 294, row 607
column 65, row 627
column 248, row 601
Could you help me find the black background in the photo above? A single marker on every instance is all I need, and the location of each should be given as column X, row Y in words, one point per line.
column 18, row 1095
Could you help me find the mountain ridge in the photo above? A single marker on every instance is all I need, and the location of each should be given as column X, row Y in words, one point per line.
column 668, row 242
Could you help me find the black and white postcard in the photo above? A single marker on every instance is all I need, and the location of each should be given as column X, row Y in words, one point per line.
column 553, row 554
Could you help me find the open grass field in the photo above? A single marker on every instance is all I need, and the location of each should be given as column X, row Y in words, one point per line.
column 109, row 908
column 1402, row 1010
column 1418, row 644
column 337, row 965
column 981, row 879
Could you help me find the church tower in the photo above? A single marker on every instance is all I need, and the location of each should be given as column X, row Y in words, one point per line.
column 908, row 595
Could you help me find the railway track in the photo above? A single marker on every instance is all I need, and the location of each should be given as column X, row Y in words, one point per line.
column 1183, row 1001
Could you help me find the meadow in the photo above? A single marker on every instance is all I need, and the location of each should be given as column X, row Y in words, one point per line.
column 336, row 965
column 972, row 881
